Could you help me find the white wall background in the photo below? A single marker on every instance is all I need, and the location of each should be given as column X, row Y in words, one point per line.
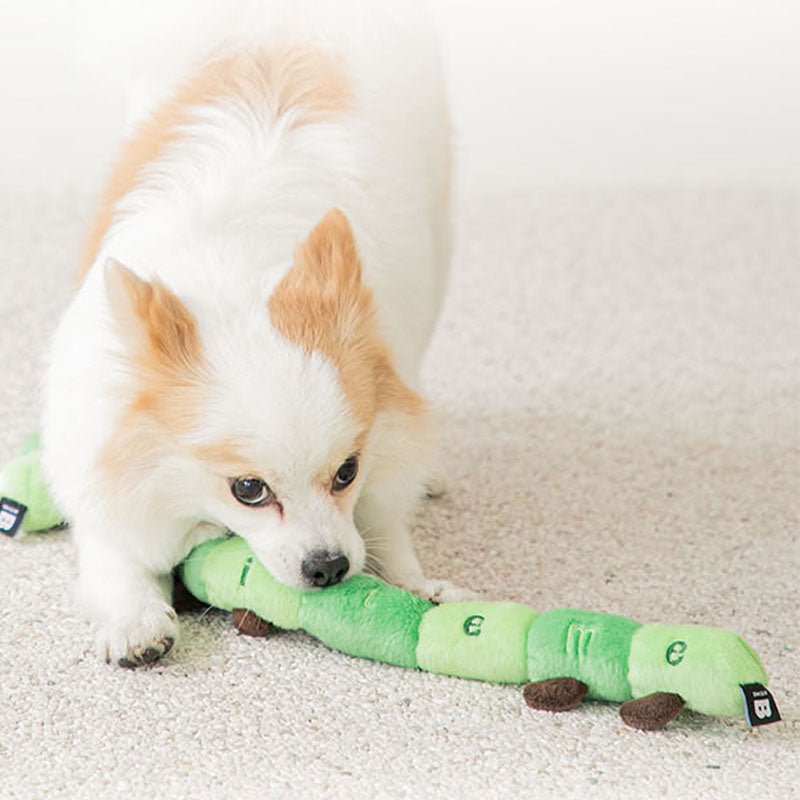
column 544, row 93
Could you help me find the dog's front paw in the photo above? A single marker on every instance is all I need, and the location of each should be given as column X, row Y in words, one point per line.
column 144, row 641
column 440, row 591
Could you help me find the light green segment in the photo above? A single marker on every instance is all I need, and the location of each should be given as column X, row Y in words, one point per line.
column 190, row 570
column 33, row 444
column 479, row 640
column 227, row 575
column 703, row 665
column 22, row 480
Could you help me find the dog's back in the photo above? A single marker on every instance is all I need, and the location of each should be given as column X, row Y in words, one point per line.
column 397, row 128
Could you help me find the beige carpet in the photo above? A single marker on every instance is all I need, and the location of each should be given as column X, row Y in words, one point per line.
column 619, row 376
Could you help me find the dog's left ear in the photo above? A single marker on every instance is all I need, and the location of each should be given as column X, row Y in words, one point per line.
column 155, row 325
column 329, row 256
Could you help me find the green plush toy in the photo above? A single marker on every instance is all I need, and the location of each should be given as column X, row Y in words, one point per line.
column 26, row 505
column 562, row 656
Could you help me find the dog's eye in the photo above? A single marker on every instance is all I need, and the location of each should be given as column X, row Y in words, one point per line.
column 250, row 491
column 346, row 474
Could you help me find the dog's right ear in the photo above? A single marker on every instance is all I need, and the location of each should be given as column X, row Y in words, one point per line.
column 154, row 324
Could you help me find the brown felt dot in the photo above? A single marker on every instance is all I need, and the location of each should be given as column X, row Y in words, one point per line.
column 555, row 694
column 183, row 601
column 250, row 624
column 653, row 712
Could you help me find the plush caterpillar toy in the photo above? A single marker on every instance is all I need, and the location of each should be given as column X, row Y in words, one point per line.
column 562, row 656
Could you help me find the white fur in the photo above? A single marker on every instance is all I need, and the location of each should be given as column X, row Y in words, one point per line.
column 217, row 220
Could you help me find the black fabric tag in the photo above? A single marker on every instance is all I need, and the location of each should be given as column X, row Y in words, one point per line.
column 759, row 705
column 11, row 515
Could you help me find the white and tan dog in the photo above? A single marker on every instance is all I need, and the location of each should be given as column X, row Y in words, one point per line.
column 264, row 275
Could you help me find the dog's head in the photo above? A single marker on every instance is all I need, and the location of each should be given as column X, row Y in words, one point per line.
column 259, row 418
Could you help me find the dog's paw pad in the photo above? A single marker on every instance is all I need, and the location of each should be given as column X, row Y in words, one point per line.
column 143, row 643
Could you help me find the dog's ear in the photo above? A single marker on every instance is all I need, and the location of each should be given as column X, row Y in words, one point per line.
column 321, row 302
column 329, row 257
column 155, row 325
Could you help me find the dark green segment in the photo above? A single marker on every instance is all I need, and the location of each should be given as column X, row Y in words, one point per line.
column 586, row 645
column 367, row 618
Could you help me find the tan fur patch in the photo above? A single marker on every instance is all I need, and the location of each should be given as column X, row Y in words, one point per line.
column 155, row 322
column 224, row 457
column 321, row 304
column 301, row 79
column 344, row 498
column 166, row 353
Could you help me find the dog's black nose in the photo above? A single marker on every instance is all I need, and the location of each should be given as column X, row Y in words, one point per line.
column 320, row 568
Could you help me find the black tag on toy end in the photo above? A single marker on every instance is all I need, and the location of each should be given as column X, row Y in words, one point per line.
column 11, row 515
column 759, row 705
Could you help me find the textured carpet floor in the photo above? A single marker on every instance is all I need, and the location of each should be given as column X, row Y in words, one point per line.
column 619, row 376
